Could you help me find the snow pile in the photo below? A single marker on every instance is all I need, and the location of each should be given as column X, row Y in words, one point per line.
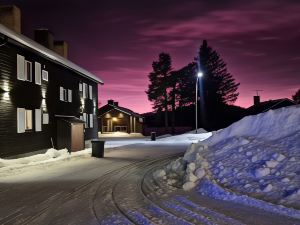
column 258, row 156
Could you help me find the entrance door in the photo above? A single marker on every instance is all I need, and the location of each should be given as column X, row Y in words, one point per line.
column 77, row 137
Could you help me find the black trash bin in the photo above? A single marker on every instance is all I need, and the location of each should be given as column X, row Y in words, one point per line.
column 153, row 136
column 97, row 148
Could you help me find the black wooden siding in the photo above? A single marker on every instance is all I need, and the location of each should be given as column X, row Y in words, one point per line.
column 24, row 94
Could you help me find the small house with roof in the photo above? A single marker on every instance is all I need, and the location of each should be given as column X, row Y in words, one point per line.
column 114, row 118
column 260, row 107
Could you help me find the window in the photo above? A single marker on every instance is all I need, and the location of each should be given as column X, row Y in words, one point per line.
column 45, row 75
column 28, row 71
column 85, row 120
column 65, row 95
column 25, row 120
column 91, row 121
column 90, row 92
column 141, row 120
column 45, row 118
column 69, row 95
column 28, row 119
column 37, row 73
column 61, row 94
column 80, row 86
column 84, row 90
column 38, row 120
column 20, row 67
column 20, row 120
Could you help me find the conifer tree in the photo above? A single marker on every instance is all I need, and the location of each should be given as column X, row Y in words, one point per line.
column 159, row 83
column 296, row 97
column 219, row 86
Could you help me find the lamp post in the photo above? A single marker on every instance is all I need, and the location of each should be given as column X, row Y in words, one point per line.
column 199, row 75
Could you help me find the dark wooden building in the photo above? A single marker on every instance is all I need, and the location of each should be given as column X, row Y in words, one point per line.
column 260, row 107
column 38, row 88
column 113, row 118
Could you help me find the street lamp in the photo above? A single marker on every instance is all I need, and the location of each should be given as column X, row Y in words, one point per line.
column 199, row 75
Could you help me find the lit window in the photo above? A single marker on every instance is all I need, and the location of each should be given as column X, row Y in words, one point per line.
column 37, row 73
column 45, row 118
column 65, row 95
column 28, row 119
column 20, row 67
column 28, row 71
column 45, row 75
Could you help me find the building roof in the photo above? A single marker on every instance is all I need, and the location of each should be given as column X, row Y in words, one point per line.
column 47, row 53
column 109, row 107
column 271, row 104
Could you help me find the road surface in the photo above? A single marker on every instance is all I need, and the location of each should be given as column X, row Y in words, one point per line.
column 118, row 189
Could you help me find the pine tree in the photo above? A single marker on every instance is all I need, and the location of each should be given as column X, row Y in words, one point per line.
column 159, row 83
column 296, row 97
column 219, row 86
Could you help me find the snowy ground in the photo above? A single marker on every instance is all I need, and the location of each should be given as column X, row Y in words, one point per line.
column 118, row 189
column 258, row 157
column 112, row 141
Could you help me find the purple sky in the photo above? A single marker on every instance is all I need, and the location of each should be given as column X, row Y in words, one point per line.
column 118, row 40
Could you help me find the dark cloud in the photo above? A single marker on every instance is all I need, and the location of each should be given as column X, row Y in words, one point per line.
column 118, row 40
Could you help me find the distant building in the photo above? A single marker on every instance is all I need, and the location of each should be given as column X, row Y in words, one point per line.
column 260, row 107
column 45, row 100
column 113, row 118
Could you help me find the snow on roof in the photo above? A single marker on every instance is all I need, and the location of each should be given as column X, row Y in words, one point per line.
column 47, row 53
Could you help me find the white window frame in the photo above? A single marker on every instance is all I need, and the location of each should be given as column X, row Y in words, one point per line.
column 29, row 111
column 38, row 73
column 69, row 95
column 84, row 115
column 90, row 92
column 45, row 75
column 38, row 120
column 20, row 67
column 45, row 118
column 61, row 93
column 91, row 120
column 84, row 90
column 26, row 77
column 21, row 120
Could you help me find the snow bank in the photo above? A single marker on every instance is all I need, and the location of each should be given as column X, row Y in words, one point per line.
column 258, row 156
column 8, row 166
column 272, row 125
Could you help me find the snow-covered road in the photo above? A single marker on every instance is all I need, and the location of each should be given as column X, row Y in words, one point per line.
column 117, row 189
